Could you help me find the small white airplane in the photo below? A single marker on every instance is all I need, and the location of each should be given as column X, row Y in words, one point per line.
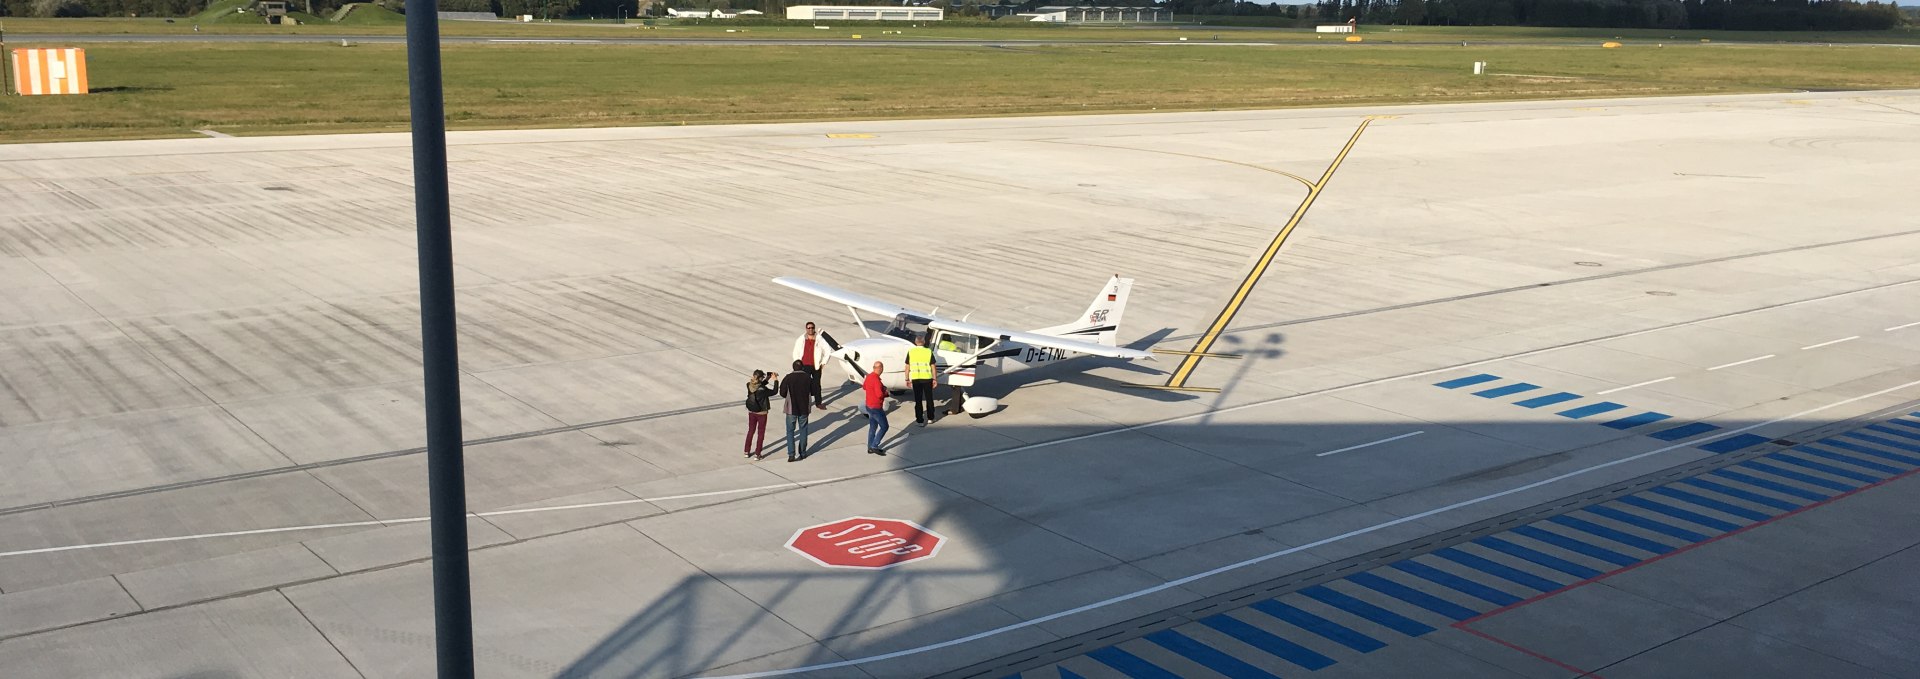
column 965, row 352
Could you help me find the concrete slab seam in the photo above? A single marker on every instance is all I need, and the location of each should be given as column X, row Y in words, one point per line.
column 970, row 458
column 1277, row 554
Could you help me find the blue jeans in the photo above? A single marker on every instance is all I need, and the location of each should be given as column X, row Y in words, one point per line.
column 876, row 427
column 796, row 436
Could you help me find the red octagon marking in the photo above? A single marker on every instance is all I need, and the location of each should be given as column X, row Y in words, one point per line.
column 866, row 543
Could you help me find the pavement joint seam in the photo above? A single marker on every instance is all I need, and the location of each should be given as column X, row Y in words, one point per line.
column 1206, row 415
column 321, row 632
column 727, row 404
column 1080, row 644
column 1730, row 620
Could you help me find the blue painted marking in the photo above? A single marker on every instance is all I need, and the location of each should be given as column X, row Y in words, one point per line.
column 1695, row 518
column 1903, row 423
column 1632, row 421
column 1621, row 537
column 1758, row 482
column 1876, row 452
column 1576, row 546
column 1731, row 491
column 1591, row 409
column 1465, row 381
column 1684, row 431
column 1791, row 475
column 1890, row 443
column 1265, row 641
column 1849, row 459
column 1069, row 674
column 1733, row 443
column 1542, row 558
column 1710, row 503
column 1130, row 664
column 1633, row 519
column 1206, row 655
column 1328, row 629
column 1379, row 616
column 1549, row 399
column 1410, row 595
column 1497, row 569
column 1455, row 583
column 1825, row 468
column 1508, row 390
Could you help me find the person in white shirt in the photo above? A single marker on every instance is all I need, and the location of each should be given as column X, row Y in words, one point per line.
column 811, row 351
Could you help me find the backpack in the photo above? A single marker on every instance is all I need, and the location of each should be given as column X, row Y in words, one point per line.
column 757, row 400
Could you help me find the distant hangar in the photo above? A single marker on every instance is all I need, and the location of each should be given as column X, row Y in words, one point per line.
column 864, row 13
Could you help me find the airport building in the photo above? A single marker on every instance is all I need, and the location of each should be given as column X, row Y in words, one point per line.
column 1097, row 15
column 864, row 13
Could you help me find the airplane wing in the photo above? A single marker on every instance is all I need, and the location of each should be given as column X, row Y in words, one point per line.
column 1039, row 340
column 852, row 299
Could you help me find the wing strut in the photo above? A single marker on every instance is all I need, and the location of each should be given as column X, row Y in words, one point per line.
column 857, row 323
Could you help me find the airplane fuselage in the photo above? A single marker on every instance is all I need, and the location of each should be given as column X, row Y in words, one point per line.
column 1001, row 357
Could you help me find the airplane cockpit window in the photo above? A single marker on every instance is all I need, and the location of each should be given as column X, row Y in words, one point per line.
column 907, row 327
column 966, row 344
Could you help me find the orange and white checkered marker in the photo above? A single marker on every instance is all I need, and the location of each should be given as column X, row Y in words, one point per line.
column 61, row 70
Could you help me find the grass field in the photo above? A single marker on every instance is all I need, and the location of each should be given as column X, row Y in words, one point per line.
column 24, row 29
column 157, row 90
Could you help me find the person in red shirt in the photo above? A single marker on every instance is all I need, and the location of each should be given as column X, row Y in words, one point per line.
column 876, row 409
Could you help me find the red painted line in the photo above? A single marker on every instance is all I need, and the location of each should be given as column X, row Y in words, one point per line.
column 1577, row 672
column 1688, row 548
column 1465, row 625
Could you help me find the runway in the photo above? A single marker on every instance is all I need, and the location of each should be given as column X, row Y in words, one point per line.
column 1483, row 324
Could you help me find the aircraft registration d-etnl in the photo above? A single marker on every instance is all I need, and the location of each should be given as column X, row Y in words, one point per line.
column 965, row 352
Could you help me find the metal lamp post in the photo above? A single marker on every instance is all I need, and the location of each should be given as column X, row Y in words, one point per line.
column 446, row 470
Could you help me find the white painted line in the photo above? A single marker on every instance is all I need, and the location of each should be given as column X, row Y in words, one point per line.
column 1170, row 584
column 1903, row 327
column 1042, row 444
column 1750, row 360
column 417, row 519
column 1375, row 443
column 1829, row 343
column 1630, row 386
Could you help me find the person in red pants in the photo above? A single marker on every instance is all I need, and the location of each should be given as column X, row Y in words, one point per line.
column 759, row 395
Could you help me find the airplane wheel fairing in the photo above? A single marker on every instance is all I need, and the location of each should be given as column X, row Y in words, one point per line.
column 978, row 406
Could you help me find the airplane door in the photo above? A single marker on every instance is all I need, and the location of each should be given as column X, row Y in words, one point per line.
column 954, row 347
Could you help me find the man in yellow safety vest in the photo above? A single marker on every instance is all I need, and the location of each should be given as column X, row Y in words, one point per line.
column 920, row 375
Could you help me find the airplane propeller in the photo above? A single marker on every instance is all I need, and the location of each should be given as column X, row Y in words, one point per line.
column 851, row 364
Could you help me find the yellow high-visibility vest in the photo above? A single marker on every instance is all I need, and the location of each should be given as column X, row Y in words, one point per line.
column 919, row 363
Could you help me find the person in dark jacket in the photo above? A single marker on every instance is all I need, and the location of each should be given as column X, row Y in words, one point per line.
column 797, row 389
column 759, row 393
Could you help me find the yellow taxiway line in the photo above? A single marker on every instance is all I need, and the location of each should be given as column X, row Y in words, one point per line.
column 1200, row 348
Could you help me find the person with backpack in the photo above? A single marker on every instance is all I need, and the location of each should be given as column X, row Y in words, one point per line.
column 759, row 393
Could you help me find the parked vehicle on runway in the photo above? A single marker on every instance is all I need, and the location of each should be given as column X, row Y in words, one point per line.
column 965, row 352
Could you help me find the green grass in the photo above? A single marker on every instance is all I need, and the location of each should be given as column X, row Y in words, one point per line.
column 154, row 90
column 25, row 28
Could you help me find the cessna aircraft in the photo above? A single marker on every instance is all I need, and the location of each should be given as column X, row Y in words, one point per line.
column 963, row 351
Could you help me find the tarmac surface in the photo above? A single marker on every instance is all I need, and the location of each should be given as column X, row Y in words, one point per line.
column 1606, row 388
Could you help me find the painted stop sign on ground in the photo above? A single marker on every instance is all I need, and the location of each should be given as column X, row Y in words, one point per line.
column 865, row 542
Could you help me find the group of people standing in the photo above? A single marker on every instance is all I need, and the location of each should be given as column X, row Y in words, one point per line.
column 799, row 390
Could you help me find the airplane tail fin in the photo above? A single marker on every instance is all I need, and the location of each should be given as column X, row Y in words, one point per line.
column 1101, row 321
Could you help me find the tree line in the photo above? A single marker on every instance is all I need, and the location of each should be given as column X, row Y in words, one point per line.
column 1733, row 15
column 1769, row 15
